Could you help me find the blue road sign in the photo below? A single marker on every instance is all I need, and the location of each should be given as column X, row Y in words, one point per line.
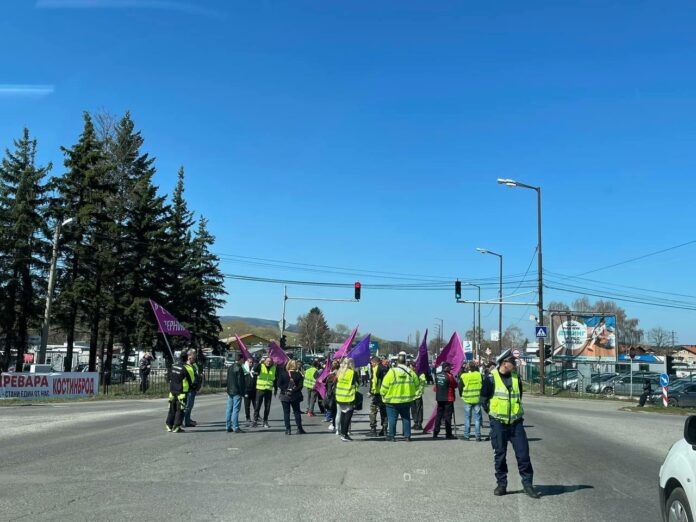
column 374, row 346
column 542, row 332
column 664, row 380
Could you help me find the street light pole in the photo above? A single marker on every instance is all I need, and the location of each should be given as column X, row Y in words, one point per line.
column 540, row 270
column 41, row 359
column 442, row 329
column 500, row 296
column 476, row 334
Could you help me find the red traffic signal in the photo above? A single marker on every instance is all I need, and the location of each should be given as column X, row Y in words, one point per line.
column 357, row 291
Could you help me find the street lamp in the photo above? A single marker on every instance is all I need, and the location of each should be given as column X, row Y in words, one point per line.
column 540, row 268
column 51, row 283
column 500, row 296
column 442, row 331
column 476, row 334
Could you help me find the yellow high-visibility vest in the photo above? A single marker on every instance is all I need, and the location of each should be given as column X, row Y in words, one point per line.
column 506, row 404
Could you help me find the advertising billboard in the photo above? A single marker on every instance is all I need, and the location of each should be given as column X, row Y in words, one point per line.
column 584, row 336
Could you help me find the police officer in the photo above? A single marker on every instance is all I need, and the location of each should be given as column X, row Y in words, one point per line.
column 179, row 385
column 376, row 404
column 504, row 390
column 398, row 391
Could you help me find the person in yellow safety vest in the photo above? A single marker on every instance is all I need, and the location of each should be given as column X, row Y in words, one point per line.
column 195, row 388
column 376, row 404
column 180, row 383
column 346, row 388
column 310, row 380
column 417, row 404
column 399, row 389
column 266, row 383
column 504, row 389
column 470, row 384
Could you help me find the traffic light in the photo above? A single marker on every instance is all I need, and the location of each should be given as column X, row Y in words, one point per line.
column 357, row 291
column 283, row 341
column 548, row 353
column 458, row 289
column 670, row 365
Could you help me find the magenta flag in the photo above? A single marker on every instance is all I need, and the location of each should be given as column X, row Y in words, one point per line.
column 243, row 349
column 361, row 353
column 276, row 353
column 167, row 323
column 343, row 350
column 453, row 353
column 320, row 384
column 422, row 359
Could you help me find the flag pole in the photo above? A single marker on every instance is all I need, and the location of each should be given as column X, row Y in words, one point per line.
column 168, row 347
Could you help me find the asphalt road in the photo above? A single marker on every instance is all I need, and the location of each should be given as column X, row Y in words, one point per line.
column 113, row 460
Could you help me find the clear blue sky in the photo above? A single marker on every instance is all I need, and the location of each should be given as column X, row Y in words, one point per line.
column 370, row 135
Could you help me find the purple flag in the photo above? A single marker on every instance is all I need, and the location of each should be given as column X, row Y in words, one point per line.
column 361, row 353
column 453, row 353
column 167, row 323
column 320, row 384
column 343, row 350
column 277, row 355
column 422, row 359
column 243, row 349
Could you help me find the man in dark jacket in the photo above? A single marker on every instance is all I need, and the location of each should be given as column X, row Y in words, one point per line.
column 377, row 405
column 236, row 387
column 445, row 386
column 144, row 367
column 647, row 391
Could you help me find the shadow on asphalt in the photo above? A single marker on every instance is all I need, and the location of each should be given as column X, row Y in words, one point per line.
column 553, row 491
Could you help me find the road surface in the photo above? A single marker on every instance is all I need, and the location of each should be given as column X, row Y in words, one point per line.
column 113, row 460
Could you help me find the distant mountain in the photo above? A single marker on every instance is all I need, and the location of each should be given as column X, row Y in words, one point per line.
column 256, row 321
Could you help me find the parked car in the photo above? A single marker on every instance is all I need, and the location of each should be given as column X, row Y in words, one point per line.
column 603, row 383
column 565, row 379
column 677, row 479
column 622, row 384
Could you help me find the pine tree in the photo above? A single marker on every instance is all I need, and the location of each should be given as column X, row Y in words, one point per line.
column 23, row 244
column 82, row 193
column 209, row 288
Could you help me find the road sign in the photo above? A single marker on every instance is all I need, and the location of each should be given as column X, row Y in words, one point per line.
column 542, row 332
column 516, row 354
column 664, row 380
column 374, row 347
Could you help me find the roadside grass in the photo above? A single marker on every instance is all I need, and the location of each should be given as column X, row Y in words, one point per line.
column 661, row 409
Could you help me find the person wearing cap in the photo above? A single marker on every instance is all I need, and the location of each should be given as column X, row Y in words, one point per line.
column 417, row 404
column 376, row 403
column 470, row 384
column 504, row 389
column 398, row 391
column 445, row 386
column 312, row 394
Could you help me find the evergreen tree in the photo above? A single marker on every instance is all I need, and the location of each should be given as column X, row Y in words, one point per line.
column 207, row 294
column 23, row 244
column 314, row 330
column 81, row 193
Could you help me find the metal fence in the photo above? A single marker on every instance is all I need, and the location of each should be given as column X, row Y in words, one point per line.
column 157, row 383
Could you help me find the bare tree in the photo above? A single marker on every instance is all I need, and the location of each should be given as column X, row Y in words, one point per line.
column 659, row 338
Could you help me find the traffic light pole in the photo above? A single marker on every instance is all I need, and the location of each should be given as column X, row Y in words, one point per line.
column 287, row 298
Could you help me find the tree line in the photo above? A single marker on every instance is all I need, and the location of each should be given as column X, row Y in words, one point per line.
column 125, row 244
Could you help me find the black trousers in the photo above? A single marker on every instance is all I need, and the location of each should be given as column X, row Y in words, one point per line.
column 248, row 401
column 175, row 417
column 377, row 405
column 417, row 412
column 312, row 399
column 643, row 398
column 445, row 409
column 297, row 412
column 144, row 382
column 262, row 397
column 501, row 433
column 346, row 417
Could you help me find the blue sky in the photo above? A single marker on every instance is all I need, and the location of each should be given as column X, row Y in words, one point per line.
column 369, row 135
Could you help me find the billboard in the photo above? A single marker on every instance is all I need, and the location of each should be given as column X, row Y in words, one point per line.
column 584, row 336
column 48, row 385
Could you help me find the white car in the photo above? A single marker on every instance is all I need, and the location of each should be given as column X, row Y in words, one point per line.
column 678, row 477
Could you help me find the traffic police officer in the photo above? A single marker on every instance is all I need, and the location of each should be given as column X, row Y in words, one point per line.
column 504, row 389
